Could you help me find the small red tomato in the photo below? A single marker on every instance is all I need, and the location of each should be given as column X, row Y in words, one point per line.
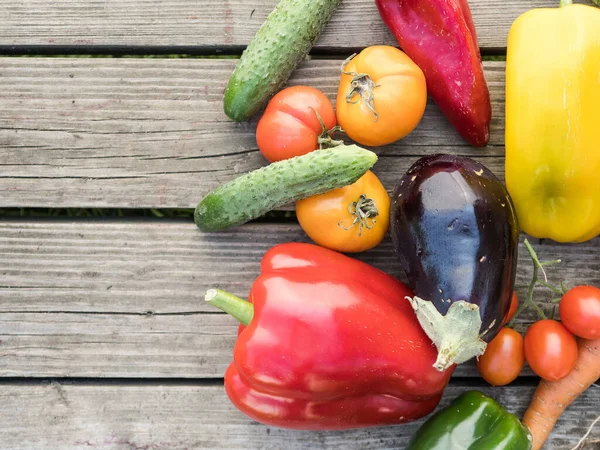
column 550, row 349
column 503, row 359
column 290, row 126
column 580, row 311
column 514, row 305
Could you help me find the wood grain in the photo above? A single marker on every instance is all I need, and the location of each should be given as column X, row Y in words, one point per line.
column 118, row 299
column 196, row 345
column 210, row 24
column 146, row 133
column 176, row 417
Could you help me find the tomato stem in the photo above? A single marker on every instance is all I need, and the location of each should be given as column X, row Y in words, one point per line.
column 553, row 315
column 535, row 280
column 361, row 84
column 325, row 139
column 552, row 288
column 362, row 210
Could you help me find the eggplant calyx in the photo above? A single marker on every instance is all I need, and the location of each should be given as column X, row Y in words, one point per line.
column 456, row 335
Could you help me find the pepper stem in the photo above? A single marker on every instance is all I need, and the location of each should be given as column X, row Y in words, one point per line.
column 568, row 2
column 234, row 306
column 362, row 85
column 362, row 210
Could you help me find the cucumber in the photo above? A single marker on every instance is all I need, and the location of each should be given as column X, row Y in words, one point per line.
column 255, row 193
column 280, row 44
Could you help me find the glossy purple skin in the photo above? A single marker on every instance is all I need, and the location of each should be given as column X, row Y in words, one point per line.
column 455, row 230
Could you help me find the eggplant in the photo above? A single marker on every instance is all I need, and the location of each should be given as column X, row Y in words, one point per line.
column 455, row 231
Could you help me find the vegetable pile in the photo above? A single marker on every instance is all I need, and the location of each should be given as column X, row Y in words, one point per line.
column 328, row 342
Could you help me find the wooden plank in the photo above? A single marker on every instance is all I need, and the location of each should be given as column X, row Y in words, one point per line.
column 212, row 23
column 118, row 299
column 165, row 267
column 145, row 133
column 80, row 417
column 115, row 345
column 197, row 345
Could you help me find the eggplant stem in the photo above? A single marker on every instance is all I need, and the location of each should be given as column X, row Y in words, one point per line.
column 455, row 335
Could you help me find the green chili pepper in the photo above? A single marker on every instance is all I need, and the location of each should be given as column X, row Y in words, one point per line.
column 473, row 421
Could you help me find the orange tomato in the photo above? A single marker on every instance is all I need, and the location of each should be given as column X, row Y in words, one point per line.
column 381, row 97
column 351, row 219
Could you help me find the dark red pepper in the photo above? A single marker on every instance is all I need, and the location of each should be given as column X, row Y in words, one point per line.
column 439, row 35
column 331, row 343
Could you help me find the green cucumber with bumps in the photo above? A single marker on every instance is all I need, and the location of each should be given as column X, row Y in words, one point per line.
column 256, row 193
column 280, row 44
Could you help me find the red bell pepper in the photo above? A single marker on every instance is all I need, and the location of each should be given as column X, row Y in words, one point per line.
column 439, row 35
column 330, row 343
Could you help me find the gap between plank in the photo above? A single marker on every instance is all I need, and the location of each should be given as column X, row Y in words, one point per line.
column 104, row 313
column 111, row 51
column 93, row 381
column 474, row 382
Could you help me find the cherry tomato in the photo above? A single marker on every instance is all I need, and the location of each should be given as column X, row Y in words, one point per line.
column 349, row 219
column 514, row 305
column 580, row 311
column 503, row 359
column 290, row 126
column 550, row 349
column 381, row 97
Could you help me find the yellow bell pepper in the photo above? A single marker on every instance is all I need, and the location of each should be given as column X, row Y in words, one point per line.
column 553, row 121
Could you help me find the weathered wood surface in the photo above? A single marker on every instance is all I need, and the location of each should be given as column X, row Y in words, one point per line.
column 165, row 267
column 213, row 24
column 180, row 417
column 123, row 300
column 118, row 299
column 149, row 133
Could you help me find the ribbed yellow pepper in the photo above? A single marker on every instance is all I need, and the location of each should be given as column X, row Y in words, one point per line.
column 553, row 121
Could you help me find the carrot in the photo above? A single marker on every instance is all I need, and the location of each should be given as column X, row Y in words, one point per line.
column 551, row 398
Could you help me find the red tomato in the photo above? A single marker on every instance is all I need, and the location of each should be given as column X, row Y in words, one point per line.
column 580, row 311
column 290, row 126
column 503, row 359
column 514, row 305
column 550, row 349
